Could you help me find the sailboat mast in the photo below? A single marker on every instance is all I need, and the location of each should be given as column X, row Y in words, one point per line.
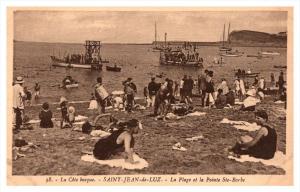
column 223, row 35
column 228, row 39
column 155, row 34
column 165, row 39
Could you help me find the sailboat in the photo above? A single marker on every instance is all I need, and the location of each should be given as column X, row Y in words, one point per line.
column 156, row 46
column 224, row 47
column 226, row 51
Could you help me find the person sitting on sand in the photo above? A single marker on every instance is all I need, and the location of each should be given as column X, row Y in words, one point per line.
column 220, row 102
column 250, row 102
column 45, row 116
column 263, row 145
column 118, row 101
column 118, row 141
column 230, row 98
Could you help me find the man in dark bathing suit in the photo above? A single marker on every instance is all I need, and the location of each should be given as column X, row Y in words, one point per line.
column 263, row 145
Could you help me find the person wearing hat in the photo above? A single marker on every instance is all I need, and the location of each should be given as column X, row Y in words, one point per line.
column 250, row 102
column 263, row 145
column 120, row 140
column 18, row 102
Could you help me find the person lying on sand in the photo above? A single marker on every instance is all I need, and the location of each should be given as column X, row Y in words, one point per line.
column 118, row 141
column 263, row 145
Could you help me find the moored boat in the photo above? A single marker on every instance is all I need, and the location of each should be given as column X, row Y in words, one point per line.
column 90, row 60
column 73, row 85
column 270, row 53
column 280, row 66
column 181, row 58
column 114, row 68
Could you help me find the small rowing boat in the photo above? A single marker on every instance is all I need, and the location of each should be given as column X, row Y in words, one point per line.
column 114, row 68
column 269, row 53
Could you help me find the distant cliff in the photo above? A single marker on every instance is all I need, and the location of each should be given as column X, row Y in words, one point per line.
column 255, row 38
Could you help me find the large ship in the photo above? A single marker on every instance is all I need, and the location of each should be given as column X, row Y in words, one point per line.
column 91, row 59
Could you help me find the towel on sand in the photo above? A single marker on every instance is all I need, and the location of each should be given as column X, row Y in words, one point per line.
column 244, row 125
column 174, row 116
column 140, row 163
column 279, row 160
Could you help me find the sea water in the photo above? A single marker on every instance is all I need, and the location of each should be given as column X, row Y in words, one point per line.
column 32, row 60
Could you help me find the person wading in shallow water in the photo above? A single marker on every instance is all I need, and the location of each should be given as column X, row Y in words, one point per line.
column 263, row 145
column 118, row 141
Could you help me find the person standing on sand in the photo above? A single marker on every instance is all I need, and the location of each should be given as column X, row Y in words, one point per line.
column 272, row 80
column 18, row 102
column 162, row 100
column 280, row 83
column 190, row 86
column 209, row 90
column 202, row 86
column 101, row 95
column 130, row 90
column 153, row 87
column 263, row 145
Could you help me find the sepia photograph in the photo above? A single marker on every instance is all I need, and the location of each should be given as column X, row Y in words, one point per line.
column 150, row 96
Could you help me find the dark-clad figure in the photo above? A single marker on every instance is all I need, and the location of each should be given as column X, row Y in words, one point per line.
column 118, row 141
column 163, row 97
column 221, row 100
column 45, row 116
column 130, row 91
column 153, row 87
column 263, row 145
column 280, row 82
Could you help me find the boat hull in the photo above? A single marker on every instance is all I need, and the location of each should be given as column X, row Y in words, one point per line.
column 115, row 69
column 59, row 63
column 71, row 65
column 183, row 64
column 270, row 53
column 75, row 85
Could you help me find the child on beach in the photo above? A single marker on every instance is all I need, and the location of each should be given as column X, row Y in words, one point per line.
column 64, row 111
column 147, row 98
column 37, row 89
column 118, row 100
column 45, row 116
column 93, row 103
column 28, row 96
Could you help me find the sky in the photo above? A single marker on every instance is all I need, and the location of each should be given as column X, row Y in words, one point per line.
column 138, row 26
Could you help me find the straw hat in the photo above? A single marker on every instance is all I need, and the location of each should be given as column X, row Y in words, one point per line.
column 19, row 80
column 71, row 109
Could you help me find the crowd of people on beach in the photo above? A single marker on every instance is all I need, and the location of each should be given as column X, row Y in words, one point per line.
column 162, row 98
